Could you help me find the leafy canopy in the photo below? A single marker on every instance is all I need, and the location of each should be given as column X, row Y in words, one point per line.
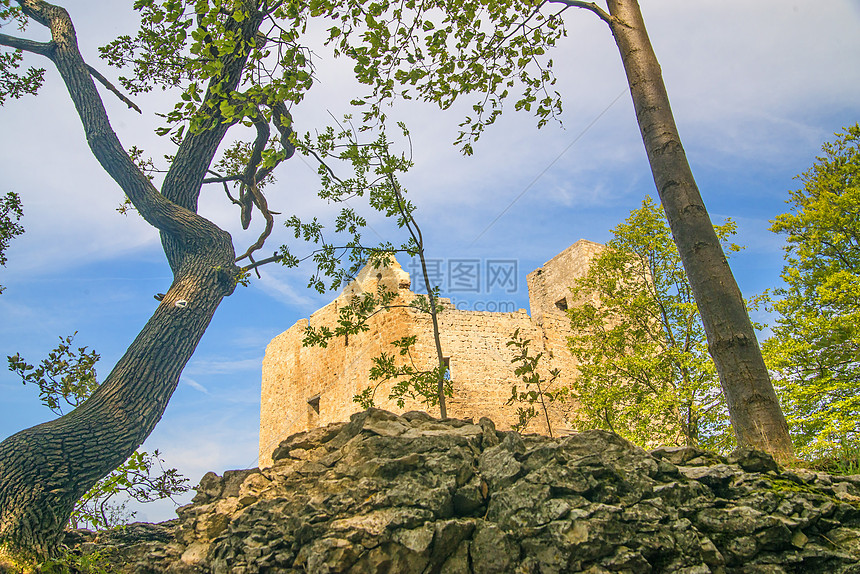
column 644, row 368
column 440, row 50
column 815, row 346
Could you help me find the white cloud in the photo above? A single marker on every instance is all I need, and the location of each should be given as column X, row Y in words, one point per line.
column 286, row 291
column 745, row 77
column 201, row 366
column 194, row 384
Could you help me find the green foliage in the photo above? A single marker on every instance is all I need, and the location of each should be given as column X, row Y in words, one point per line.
column 11, row 213
column 374, row 176
column 12, row 83
column 233, row 63
column 69, row 562
column 644, row 368
column 814, row 350
column 375, row 170
column 69, row 377
column 410, row 381
column 142, row 477
column 63, row 561
column 536, row 389
column 182, row 44
column 65, row 376
column 840, row 459
column 440, row 50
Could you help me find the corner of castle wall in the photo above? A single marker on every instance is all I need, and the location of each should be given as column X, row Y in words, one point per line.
column 549, row 285
column 534, row 281
column 280, row 340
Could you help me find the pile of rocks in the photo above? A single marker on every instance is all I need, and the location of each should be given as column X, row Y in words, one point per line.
column 404, row 494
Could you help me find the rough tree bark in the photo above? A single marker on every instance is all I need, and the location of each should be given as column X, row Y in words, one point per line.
column 46, row 468
column 756, row 416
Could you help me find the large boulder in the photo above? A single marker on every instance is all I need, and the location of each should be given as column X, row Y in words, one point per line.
column 403, row 494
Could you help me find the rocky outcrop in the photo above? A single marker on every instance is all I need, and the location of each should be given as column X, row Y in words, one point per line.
column 403, row 494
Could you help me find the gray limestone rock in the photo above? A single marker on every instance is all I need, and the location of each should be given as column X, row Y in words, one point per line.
column 403, row 494
column 752, row 460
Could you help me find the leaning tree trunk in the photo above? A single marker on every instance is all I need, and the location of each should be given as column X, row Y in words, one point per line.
column 45, row 469
column 755, row 413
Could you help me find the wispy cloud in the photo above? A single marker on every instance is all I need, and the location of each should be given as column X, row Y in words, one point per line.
column 195, row 385
column 285, row 292
column 222, row 367
column 253, row 338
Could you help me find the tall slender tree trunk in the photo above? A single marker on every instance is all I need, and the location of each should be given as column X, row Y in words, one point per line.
column 755, row 413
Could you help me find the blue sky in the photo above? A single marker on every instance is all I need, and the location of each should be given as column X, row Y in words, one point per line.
column 756, row 88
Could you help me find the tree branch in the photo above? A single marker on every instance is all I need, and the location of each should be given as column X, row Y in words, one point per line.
column 106, row 83
column 591, row 6
column 223, row 179
column 197, row 149
column 103, row 141
column 249, row 191
column 41, row 48
column 261, row 262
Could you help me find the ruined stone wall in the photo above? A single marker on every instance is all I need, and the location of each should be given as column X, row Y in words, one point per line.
column 305, row 387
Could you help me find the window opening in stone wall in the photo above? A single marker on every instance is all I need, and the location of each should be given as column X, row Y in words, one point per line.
column 561, row 304
column 313, row 411
column 446, row 361
column 379, row 276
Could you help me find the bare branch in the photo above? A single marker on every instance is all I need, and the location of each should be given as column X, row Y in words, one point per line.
column 157, row 210
column 260, row 202
column 249, row 191
column 248, row 179
column 261, row 262
column 275, row 258
column 222, row 179
column 41, row 48
column 106, row 83
column 325, row 165
column 279, row 114
column 591, row 6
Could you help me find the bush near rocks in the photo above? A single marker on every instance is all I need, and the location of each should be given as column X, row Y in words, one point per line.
column 403, row 494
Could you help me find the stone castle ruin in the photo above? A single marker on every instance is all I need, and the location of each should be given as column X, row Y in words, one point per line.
column 307, row 387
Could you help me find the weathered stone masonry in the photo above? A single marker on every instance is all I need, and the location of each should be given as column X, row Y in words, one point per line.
column 305, row 387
